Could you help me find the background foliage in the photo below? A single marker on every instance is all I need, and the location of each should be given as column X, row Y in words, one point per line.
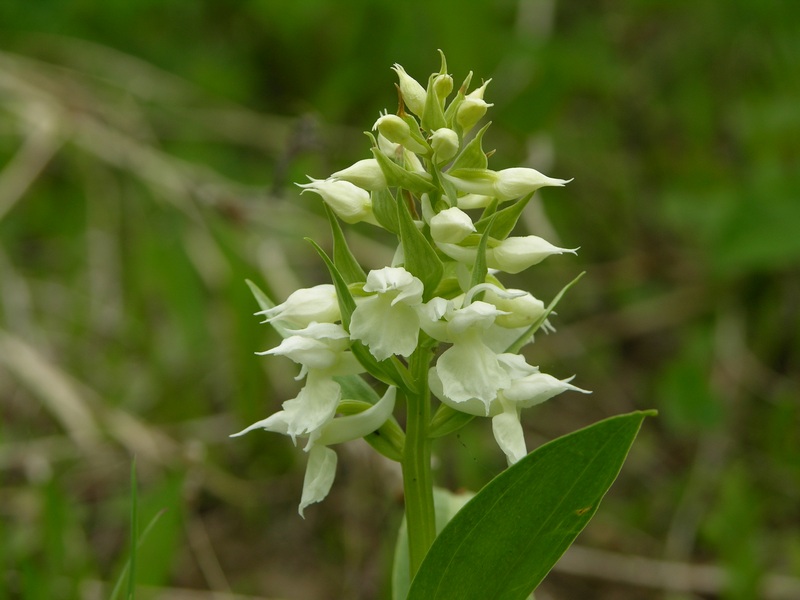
column 148, row 151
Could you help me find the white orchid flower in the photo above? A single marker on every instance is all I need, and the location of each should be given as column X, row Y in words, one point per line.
column 512, row 255
column 350, row 203
column 366, row 174
column 526, row 386
column 505, row 184
column 469, row 369
column 414, row 94
column 321, row 467
column 451, row 226
column 304, row 306
column 387, row 321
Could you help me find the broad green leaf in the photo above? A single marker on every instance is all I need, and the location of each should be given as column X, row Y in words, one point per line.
column 342, row 256
column 506, row 539
column 446, row 504
column 421, row 259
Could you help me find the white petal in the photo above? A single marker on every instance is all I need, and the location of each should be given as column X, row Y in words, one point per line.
column 516, row 254
column 384, row 328
column 320, row 473
column 508, row 433
column 537, row 388
column 451, row 225
column 469, row 370
column 314, row 406
column 318, row 303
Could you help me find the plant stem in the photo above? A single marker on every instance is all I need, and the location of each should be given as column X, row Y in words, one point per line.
column 417, row 478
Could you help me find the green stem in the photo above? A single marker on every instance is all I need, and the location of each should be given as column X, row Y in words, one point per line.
column 417, row 478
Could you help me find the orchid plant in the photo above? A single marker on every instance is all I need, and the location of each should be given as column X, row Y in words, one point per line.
column 440, row 334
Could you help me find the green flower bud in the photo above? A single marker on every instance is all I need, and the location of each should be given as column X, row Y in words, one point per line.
column 444, row 142
column 443, row 85
column 365, row 174
column 451, row 226
column 470, row 111
column 413, row 93
column 396, row 130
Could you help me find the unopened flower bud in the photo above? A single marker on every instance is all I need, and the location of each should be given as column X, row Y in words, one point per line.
column 470, row 111
column 451, row 226
column 522, row 308
column 413, row 93
column 442, row 86
column 506, row 184
column 396, row 130
column 515, row 254
column 304, row 306
column 444, row 142
column 478, row 92
column 366, row 174
column 350, row 203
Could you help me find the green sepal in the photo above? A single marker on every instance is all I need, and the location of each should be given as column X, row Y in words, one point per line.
column 421, row 259
column 432, row 113
column 450, row 196
column 388, row 439
column 452, row 109
column 525, row 337
column 502, row 223
column 489, row 210
column 342, row 256
column 479, row 269
column 447, row 420
column 397, row 176
column 384, row 207
column 472, row 156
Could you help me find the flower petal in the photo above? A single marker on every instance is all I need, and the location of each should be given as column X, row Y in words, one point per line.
column 320, row 473
column 508, row 433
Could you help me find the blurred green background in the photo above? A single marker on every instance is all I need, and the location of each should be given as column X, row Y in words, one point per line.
column 147, row 154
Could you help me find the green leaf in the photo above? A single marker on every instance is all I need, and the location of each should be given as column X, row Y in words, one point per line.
column 397, row 176
column 384, row 207
column 504, row 220
column 479, row 269
column 421, row 259
column 506, row 539
column 472, row 156
column 342, row 256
